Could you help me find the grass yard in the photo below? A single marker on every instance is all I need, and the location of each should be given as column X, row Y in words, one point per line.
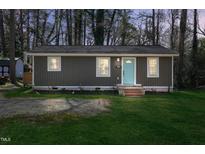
column 176, row 118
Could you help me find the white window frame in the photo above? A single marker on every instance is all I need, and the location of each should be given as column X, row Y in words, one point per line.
column 148, row 75
column 109, row 65
column 48, row 68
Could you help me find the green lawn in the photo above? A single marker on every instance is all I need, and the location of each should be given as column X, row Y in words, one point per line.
column 177, row 118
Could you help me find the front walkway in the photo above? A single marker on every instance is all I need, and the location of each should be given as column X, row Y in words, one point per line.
column 32, row 107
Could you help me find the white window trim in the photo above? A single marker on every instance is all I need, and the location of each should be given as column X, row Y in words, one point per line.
column 109, row 64
column 148, row 75
column 57, row 70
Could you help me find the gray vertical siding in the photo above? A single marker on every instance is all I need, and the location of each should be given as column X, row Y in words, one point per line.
column 165, row 72
column 75, row 71
column 81, row 71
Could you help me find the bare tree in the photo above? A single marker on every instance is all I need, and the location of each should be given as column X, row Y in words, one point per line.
column 69, row 26
column 79, row 27
column 78, row 14
column 158, row 25
column 92, row 14
column 99, row 37
column 76, row 27
column 57, row 26
column 84, row 27
column 21, row 30
column 153, row 26
column 12, row 46
column 110, row 26
column 194, row 70
column 183, row 22
column 45, row 18
column 28, row 30
column 2, row 35
column 173, row 35
column 124, row 26
column 37, row 27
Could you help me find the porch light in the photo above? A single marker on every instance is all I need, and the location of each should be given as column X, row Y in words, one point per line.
column 118, row 59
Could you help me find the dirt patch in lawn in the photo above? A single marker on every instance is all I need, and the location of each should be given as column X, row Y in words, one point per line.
column 89, row 107
column 11, row 107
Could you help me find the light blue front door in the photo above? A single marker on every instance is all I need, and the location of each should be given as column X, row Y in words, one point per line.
column 128, row 71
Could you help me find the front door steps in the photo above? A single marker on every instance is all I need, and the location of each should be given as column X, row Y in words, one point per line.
column 135, row 90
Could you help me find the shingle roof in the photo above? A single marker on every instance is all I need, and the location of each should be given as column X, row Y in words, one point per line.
column 4, row 62
column 104, row 49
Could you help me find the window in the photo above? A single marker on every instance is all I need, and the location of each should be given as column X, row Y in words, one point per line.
column 54, row 63
column 102, row 67
column 153, row 67
column 6, row 70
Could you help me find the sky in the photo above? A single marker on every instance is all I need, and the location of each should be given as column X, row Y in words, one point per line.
column 202, row 18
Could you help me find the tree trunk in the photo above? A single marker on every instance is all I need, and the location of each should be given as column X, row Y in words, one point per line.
column 79, row 22
column 50, row 33
column 146, row 29
column 76, row 27
column 157, row 30
column 57, row 26
column 172, row 30
column 45, row 18
column 180, row 74
column 60, row 24
column 84, row 28
column 99, row 37
column 37, row 27
column 93, row 24
column 12, row 46
column 69, row 26
column 153, row 27
column 21, row 31
column 124, row 25
column 33, row 14
column 28, row 30
column 174, row 16
column 194, row 71
column 110, row 26
column 2, row 35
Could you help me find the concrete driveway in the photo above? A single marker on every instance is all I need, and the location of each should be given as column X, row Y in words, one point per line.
column 14, row 107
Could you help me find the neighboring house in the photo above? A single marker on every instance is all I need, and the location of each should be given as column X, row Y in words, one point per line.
column 5, row 64
column 102, row 67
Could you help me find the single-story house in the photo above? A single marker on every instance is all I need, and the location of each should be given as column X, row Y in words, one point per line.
column 5, row 64
column 102, row 67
